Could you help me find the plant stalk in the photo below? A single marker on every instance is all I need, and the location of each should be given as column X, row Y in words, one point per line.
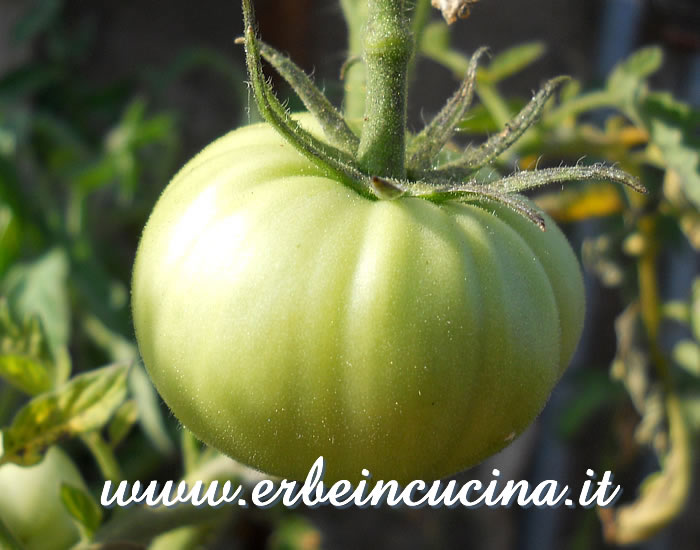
column 388, row 46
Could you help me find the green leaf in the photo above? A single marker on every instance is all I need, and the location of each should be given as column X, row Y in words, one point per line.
column 25, row 361
column 687, row 354
column 27, row 80
column 672, row 127
column 511, row 61
column 479, row 120
column 677, row 310
column 435, row 44
column 83, row 404
column 82, row 508
column 628, row 77
column 10, row 236
column 594, row 390
column 36, row 20
column 295, row 533
column 40, row 288
column 124, row 419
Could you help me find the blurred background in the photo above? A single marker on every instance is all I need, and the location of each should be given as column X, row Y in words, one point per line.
column 101, row 102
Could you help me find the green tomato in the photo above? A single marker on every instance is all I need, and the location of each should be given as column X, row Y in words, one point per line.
column 283, row 317
column 31, row 506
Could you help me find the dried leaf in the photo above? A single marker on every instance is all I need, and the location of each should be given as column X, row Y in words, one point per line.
column 453, row 9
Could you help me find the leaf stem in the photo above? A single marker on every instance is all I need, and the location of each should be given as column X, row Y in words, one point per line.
column 109, row 466
column 388, row 46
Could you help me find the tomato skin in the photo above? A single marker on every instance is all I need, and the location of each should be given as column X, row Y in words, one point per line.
column 30, row 502
column 282, row 317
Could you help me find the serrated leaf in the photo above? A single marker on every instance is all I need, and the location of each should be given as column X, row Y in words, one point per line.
column 25, row 361
column 40, row 288
column 673, row 127
column 83, row 404
column 628, row 76
column 82, row 508
column 511, row 61
column 124, row 419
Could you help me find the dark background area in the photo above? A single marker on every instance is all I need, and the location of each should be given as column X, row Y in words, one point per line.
column 133, row 44
column 584, row 39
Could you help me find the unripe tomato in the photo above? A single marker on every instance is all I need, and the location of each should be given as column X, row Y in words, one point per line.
column 283, row 317
column 31, row 506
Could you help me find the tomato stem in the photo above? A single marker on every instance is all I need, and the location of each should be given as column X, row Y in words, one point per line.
column 387, row 50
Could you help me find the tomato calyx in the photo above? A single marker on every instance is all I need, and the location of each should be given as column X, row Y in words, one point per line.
column 421, row 174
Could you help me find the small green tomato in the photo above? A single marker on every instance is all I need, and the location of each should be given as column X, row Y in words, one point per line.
column 31, row 506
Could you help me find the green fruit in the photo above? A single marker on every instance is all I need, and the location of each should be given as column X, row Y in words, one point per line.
column 282, row 317
column 31, row 506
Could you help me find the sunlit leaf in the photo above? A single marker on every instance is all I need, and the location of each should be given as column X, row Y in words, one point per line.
column 673, row 129
column 627, row 78
column 511, row 61
column 435, row 44
column 25, row 361
column 40, row 288
column 83, row 404
column 687, row 354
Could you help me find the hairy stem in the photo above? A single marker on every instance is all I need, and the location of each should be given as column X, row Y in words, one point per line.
column 513, row 130
column 388, row 45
